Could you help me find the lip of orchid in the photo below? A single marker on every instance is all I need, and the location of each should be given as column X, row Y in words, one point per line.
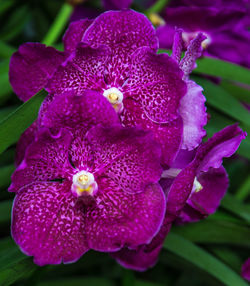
column 115, row 97
column 84, row 182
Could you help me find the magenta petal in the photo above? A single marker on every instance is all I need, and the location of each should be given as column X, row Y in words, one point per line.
column 31, row 67
column 25, row 140
column 128, row 156
column 124, row 32
column 169, row 135
column 74, row 34
column 85, row 70
column 47, row 224
column 223, row 144
column 207, row 200
column 145, row 256
column 193, row 112
column 121, row 219
column 156, row 81
column 78, row 112
column 45, row 159
column 245, row 271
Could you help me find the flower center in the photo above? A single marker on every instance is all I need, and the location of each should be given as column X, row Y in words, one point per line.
column 197, row 186
column 115, row 97
column 84, row 184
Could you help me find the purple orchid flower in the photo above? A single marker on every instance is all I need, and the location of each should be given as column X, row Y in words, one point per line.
column 182, row 187
column 245, row 271
column 225, row 23
column 81, row 187
column 119, row 60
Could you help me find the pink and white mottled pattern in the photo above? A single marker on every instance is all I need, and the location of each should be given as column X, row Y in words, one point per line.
column 55, row 225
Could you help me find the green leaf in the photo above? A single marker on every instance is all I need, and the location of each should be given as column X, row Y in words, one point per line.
column 242, row 94
column 223, row 232
column 224, row 69
column 5, row 211
column 4, row 112
column 16, row 271
column 5, row 174
column 15, row 124
column 16, row 23
column 202, row 259
column 78, row 281
column 231, row 204
column 244, row 190
column 221, row 100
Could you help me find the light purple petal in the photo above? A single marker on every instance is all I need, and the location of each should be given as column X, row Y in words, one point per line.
column 124, row 32
column 145, row 256
column 47, row 224
column 25, row 140
column 84, row 70
column 46, row 159
column 194, row 51
column 78, row 112
column 194, row 116
column 121, row 219
column 31, row 67
column 169, row 135
column 128, row 156
column 74, row 34
column 155, row 81
column 245, row 270
column 207, row 200
column 223, row 144
column 116, row 4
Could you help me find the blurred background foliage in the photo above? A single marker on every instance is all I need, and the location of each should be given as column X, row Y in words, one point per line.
column 210, row 252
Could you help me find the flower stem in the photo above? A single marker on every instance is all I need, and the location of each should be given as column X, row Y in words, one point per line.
column 157, row 7
column 58, row 25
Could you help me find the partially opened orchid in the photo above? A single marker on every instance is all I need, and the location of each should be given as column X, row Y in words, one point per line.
column 225, row 24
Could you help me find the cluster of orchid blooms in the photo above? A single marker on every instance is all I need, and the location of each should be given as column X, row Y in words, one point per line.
column 116, row 154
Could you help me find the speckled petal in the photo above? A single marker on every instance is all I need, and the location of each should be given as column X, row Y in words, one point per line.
column 116, row 5
column 74, row 34
column 46, row 159
column 245, row 270
column 84, row 70
column 47, row 224
column 169, row 135
column 31, row 67
column 121, row 219
column 145, row 256
column 155, row 81
column 124, row 32
column 130, row 157
column 194, row 116
column 206, row 201
column 25, row 140
column 78, row 112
